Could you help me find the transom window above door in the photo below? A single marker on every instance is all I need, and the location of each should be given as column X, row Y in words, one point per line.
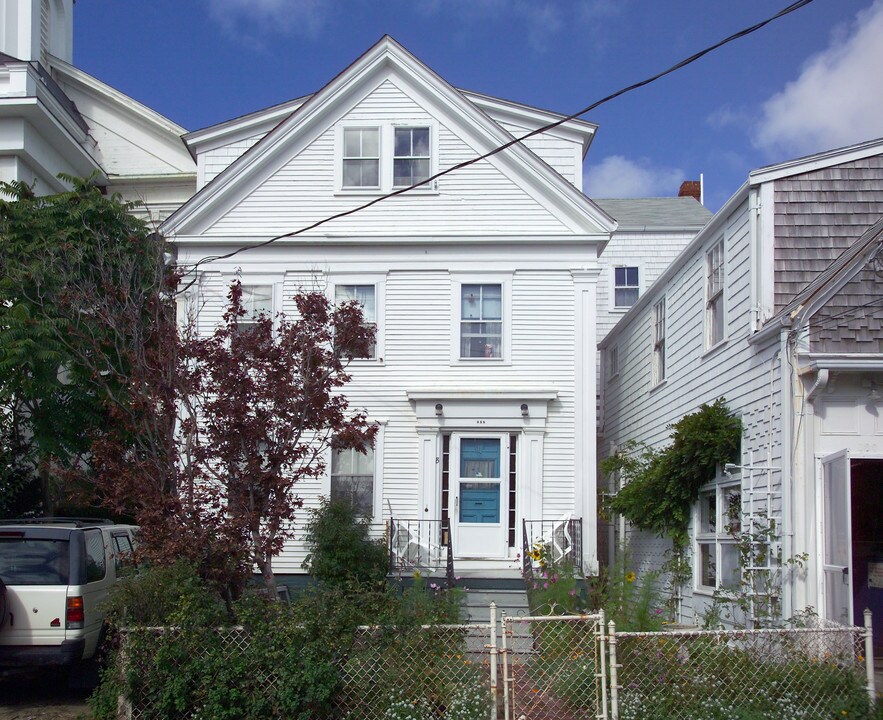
column 385, row 156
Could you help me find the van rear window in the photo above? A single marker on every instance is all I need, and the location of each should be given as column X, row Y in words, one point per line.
column 26, row 561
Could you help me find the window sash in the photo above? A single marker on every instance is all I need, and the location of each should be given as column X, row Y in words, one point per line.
column 717, row 550
column 625, row 286
column 361, row 157
column 366, row 296
column 481, row 321
column 714, row 291
column 411, row 156
column 257, row 301
column 659, row 341
column 352, row 479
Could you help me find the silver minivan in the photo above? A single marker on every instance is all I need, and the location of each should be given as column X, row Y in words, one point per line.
column 55, row 574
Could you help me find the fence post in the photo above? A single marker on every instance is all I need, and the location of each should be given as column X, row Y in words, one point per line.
column 493, row 648
column 602, row 652
column 869, row 657
column 506, row 680
column 614, row 687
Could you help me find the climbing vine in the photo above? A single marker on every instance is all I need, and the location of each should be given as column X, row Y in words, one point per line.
column 659, row 487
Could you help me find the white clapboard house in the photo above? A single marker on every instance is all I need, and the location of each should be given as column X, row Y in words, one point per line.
column 775, row 306
column 481, row 285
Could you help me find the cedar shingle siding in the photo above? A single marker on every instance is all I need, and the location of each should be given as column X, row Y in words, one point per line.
column 818, row 215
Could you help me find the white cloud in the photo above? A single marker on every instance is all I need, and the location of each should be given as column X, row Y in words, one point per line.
column 249, row 20
column 618, row 177
column 838, row 97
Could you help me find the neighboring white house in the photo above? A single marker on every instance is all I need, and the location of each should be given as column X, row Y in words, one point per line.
column 482, row 286
column 776, row 306
column 57, row 119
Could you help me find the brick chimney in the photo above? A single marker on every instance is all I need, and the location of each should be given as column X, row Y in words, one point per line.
column 691, row 188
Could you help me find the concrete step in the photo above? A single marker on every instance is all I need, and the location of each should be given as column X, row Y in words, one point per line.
column 476, row 608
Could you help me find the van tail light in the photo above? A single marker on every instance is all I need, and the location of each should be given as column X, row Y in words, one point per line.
column 76, row 614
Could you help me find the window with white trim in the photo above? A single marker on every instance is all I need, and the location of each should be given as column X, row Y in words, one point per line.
column 411, row 156
column 714, row 295
column 481, row 321
column 625, row 286
column 361, row 157
column 613, row 361
column 257, row 301
column 385, row 155
column 718, row 521
column 352, row 479
column 366, row 296
column 659, row 342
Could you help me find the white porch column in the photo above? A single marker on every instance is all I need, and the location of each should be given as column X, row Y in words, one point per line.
column 428, row 474
column 585, row 283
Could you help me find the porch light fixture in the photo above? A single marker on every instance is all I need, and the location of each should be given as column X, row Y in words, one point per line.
column 439, row 408
column 524, row 412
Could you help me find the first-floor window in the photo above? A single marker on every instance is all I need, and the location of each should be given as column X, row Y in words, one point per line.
column 481, row 321
column 352, row 479
column 718, row 524
column 366, row 296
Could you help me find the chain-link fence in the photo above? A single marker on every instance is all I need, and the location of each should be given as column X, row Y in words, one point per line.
column 810, row 672
column 561, row 668
column 555, row 668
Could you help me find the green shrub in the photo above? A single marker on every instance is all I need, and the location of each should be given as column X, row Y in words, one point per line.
column 340, row 551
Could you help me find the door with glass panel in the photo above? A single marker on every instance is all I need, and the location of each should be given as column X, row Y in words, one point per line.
column 479, row 520
column 837, row 538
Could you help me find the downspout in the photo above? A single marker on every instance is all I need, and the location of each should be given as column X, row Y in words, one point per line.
column 788, row 448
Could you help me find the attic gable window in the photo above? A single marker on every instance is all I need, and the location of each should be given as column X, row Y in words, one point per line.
column 361, row 157
column 411, row 158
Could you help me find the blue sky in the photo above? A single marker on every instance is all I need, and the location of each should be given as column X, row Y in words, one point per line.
column 809, row 82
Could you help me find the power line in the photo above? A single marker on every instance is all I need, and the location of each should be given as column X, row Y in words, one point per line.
column 545, row 128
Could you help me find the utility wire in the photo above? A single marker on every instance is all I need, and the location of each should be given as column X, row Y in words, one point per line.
column 545, row 128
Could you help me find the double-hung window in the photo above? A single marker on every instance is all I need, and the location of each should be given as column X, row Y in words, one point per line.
column 718, row 522
column 361, row 157
column 659, row 342
column 714, row 295
column 411, row 159
column 352, row 479
column 625, row 286
column 366, row 296
column 481, row 321
column 257, row 301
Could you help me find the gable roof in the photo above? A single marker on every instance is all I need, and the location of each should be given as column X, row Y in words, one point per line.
column 816, row 161
column 385, row 57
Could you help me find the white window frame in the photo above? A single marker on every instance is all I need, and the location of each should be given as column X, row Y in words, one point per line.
column 505, row 283
column 395, row 157
column 613, row 286
column 659, row 330
column 721, row 538
column 612, row 363
column 252, row 281
column 715, row 302
column 378, row 158
column 379, row 283
column 377, row 499
column 386, row 149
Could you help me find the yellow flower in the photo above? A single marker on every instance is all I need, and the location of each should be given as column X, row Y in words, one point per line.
column 630, row 577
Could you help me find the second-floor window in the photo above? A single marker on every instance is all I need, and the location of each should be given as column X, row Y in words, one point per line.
column 625, row 286
column 481, row 321
column 659, row 342
column 366, row 296
column 714, row 295
column 257, row 300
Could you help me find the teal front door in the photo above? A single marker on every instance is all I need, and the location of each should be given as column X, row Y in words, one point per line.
column 480, row 464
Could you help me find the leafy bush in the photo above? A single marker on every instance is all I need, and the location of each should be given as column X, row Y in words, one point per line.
column 340, row 551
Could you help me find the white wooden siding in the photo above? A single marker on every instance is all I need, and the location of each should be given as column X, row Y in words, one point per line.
column 477, row 200
column 213, row 162
column 734, row 370
column 564, row 156
column 418, row 328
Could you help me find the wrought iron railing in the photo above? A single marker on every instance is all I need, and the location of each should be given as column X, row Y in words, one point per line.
column 557, row 542
column 423, row 545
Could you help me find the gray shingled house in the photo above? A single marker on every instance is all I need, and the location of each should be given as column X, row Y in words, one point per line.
column 776, row 306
